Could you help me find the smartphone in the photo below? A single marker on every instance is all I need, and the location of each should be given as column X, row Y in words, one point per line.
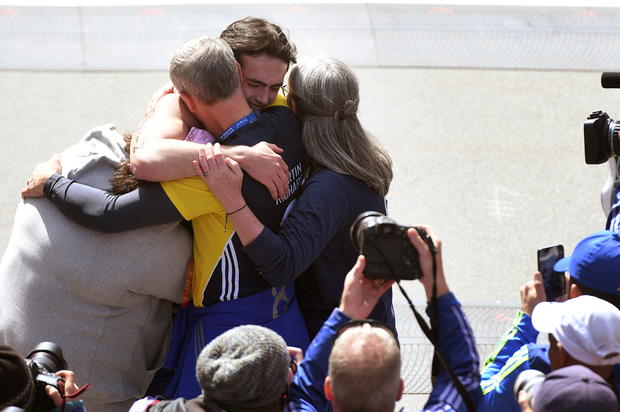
column 554, row 282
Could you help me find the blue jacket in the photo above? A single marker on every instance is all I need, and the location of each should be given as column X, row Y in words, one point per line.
column 456, row 342
column 515, row 352
column 314, row 246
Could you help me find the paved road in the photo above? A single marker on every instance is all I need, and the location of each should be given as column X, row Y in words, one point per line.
column 492, row 159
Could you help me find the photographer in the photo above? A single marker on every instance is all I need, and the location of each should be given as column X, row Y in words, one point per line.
column 594, row 269
column 362, row 370
column 20, row 390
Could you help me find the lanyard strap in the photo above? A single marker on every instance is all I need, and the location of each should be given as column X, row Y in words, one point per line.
column 244, row 121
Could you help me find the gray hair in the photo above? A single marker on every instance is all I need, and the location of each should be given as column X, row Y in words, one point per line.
column 364, row 368
column 205, row 69
column 326, row 93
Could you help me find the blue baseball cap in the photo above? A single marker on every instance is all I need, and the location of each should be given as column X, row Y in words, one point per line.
column 595, row 262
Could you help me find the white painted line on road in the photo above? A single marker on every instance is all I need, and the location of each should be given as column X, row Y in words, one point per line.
column 513, row 3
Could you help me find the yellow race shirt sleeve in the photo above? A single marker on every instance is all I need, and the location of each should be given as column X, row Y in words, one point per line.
column 192, row 197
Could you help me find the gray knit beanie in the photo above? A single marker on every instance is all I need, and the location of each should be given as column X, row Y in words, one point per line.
column 244, row 367
column 17, row 386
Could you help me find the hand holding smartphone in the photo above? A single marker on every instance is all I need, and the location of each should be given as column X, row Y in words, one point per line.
column 554, row 282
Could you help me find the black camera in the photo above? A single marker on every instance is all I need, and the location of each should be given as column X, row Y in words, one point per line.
column 529, row 381
column 600, row 138
column 388, row 251
column 600, row 132
column 43, row 362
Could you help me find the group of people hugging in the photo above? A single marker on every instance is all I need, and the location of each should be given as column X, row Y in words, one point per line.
column 204, row 261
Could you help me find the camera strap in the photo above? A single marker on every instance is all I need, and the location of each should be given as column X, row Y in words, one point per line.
column 432, row 332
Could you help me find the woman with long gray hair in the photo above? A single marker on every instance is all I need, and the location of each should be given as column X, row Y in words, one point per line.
column 349, row 173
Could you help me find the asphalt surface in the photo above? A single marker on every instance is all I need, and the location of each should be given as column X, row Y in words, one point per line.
column 491, row 159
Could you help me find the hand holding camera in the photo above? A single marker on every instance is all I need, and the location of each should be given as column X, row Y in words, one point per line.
column 428, row 247
column 360, row 293
column 67, row 387
column 386, row 246
column 398, row 252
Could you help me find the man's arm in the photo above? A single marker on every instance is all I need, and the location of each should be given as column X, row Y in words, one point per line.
column 521, row 332
column 159, row 152
column 455, row 339
column 93, row 208
column 97, row 209
column 512, row 353
column 456, row 343
column 359, row 297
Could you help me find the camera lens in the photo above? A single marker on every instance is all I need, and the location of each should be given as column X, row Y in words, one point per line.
column 529, row 381
column 358, row 227
column 601, row 138
column 49, row 356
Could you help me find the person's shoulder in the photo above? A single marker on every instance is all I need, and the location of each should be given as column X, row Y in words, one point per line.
column 278, row 114
column 329, row 181
column 279, row 125
column 325, row 175
column 169, row 104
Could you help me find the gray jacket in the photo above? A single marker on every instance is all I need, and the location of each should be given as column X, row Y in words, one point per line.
column 105, row 298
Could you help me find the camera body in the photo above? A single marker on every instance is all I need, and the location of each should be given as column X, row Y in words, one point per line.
column 529, row 381
column 600, row 132
column 43, row 362
column 600, row 137
column 388, row 251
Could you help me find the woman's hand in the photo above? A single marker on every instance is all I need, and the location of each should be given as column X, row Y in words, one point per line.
column 222, row 174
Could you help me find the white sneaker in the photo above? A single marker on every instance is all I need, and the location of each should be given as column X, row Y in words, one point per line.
column 611, row 185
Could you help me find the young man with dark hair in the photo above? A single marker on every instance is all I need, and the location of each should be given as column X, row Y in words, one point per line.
column 264, row 54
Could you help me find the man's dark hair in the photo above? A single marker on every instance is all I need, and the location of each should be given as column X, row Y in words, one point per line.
column 586, row 290
column 254, row 36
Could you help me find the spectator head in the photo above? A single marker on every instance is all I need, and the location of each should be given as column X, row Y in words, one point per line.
column 324, row 92
column 204, row 70
column 15, row 380
column 584, row 330
column 364, row 370
column 594, row 267
column 575, row 389
column 264, row 53
column 245, row 368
